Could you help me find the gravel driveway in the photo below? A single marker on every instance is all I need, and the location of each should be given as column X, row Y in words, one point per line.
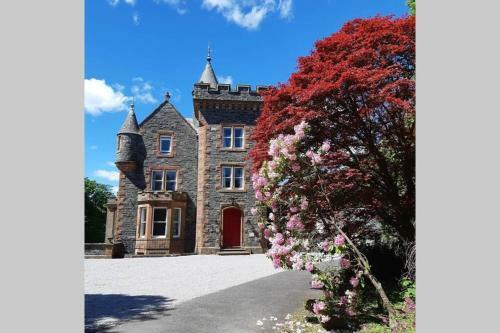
column 134, row 288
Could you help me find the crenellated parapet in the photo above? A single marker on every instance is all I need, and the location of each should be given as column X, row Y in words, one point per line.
column 243, row 92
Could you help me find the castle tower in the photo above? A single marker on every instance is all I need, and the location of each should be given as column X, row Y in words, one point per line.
column 208, row 75
column 128, row 152
column 225, row 196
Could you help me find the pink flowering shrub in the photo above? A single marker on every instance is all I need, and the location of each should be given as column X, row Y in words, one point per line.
column 299, row 238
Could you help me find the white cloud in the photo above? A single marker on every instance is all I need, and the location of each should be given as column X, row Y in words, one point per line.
column 116, row 2
column 142, row 90
column 248, row 14
column 135, row 18
column 114, row 189
column 111, row 164
column 225, row 79
column 179, row 5
column 109, row 175
column 100, row 97
column 285, row 8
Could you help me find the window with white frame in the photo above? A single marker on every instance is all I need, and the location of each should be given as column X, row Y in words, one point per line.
column 165, row 144
column 232, row 137
column 142, row 221
column 156, row 180
column 159, row 222
column 238, row 137
column 176, row 223
column 171, row 183
column 232, row 177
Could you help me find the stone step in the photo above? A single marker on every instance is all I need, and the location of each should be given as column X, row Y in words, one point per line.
column 233, row 252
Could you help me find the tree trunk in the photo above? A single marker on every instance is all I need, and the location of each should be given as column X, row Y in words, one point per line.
column 383, row 296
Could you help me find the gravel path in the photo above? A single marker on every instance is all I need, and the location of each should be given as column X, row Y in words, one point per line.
column 121, row 289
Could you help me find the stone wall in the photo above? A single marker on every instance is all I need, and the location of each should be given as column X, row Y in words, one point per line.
column 184, row 156
column 212, row 157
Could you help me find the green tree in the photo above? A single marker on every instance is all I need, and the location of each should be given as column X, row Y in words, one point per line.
column 96, row 197
column 412, row 6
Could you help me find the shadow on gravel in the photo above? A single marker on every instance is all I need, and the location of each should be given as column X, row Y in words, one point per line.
column 103, row 311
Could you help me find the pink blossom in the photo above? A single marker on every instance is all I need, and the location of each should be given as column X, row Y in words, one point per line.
column 345, row 263
column 294, row 223
column 267, row 233
column 261, row 225
column 261, row 181
column 325, row 245
column 276, row 262
column 325, row 319
column 259, row 196
column 318, row 307
column 325, row 146
column 304, row 203
column 274, row 206
column 354, row 281
column 294, row 209
column 339, row 240
column 279, row 239
column 309, row 266
column 253, row 211
column 316, row 284
column 298, row 264
column 342, row 300
column 271, row 216
column 295, row 167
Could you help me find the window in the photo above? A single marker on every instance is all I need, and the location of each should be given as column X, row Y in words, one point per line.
column 238, row 178
column 227, row 177
column 238, row 137
column 232, row 177
column 165, row 144
column 227, row 136
column 157, row 180
column 142, row 221
column 159, row 222
column 171, row 180
column 176, row 223
column 232, row 137
column 118, row 143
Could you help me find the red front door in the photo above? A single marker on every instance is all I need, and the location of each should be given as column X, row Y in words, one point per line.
column 231, row 227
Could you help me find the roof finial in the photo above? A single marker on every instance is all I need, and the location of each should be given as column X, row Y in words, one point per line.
column 209, row 58
column 132, row 106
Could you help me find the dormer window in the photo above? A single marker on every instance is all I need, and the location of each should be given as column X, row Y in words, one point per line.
column 165, row 144
column 232, row 137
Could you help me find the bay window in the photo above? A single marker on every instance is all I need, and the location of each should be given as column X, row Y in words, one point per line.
column 159, row 222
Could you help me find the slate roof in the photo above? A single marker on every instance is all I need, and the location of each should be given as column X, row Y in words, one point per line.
column 208, row 75
column 130, row 124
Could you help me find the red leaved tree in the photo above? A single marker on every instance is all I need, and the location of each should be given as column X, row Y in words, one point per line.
column 357, row 90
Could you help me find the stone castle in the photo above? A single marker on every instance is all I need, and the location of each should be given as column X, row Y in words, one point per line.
column 186, row 188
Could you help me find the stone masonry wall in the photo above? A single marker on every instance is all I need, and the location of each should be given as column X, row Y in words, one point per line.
column 165, row 119
column 216, row 198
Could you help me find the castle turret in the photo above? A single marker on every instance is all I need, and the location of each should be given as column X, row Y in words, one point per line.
column 208, row 75
column 129, row 153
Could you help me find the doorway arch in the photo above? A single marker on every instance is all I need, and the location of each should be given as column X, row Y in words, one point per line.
column 231, row 227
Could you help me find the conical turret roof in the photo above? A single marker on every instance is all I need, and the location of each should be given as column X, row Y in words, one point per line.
column 130, row 124
column 208, row 75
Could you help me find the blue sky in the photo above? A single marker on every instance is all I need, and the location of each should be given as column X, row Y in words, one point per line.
column 143, row 48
